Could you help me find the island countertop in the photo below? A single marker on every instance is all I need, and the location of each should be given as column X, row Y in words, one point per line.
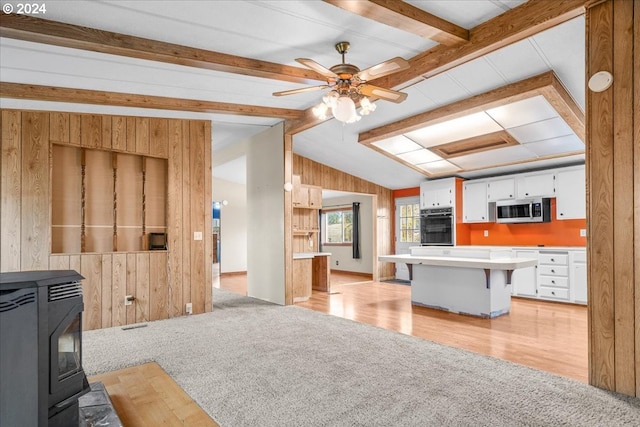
column 462, row 262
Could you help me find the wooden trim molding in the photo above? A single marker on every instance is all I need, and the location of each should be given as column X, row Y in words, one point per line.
column 29, row 28
column 476, row 144
column 546, row 84
column 97, row 97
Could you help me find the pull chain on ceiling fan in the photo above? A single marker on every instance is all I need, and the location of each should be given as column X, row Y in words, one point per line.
column 349, row 85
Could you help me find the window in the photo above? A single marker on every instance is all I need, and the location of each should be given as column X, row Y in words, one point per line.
column 410, row 223
column 339, row 227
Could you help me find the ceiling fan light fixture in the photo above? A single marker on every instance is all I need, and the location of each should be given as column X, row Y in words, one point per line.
column 366, row 106
column 345, row 109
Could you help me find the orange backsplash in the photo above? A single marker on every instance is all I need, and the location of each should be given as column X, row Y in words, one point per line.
column 555, row 233
column 564, row 232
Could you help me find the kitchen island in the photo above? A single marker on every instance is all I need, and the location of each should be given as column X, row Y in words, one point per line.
column 474, row 281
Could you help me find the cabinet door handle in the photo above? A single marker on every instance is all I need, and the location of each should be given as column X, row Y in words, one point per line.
column 553, row 260
column 553, row 292
column 554, row 282
column 552, row 270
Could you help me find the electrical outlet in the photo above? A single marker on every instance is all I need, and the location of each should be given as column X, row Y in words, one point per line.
column 337, row 262
column 583, row 232
column 189, row 308
column 486, row 233
column 128, row 300
column 197, row 235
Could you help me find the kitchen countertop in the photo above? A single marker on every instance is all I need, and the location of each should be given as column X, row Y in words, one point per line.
column 526, row 248
column 445, row 261
column 308, row 255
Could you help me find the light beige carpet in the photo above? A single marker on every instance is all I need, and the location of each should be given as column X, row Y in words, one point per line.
column 253, row 363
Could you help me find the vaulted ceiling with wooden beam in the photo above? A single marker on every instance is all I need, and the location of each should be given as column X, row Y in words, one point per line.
column 222, row 60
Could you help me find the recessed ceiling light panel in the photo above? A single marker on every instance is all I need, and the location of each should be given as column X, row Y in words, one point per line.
column 419, row 156
column 441, row 166
column 523, row 112
column 397, row 145
column 454, row 130
column 538, row 131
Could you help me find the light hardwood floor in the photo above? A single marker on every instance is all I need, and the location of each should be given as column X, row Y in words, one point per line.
column 547, row 336
column 146, row 396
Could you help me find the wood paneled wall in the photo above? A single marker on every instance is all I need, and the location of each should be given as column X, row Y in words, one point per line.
column 613, row 174
column 328, row 178
column 162, row 282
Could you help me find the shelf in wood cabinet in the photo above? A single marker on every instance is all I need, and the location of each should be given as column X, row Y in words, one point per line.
column 302, row 232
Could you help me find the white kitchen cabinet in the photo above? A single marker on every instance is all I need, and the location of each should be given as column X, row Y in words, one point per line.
column 475, row 207
column 438, row 194
column 553, row 276
column 571, row 193
column 578, row 276
column 501, row 189
column 536, row 185
column 524, row 281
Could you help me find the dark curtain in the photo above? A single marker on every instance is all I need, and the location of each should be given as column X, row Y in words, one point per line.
column 356, row 231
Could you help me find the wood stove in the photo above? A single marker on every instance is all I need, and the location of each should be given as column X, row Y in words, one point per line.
column 41, row 375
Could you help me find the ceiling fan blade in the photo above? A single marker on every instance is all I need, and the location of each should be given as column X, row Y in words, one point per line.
column 384, row 68
column 302, row 90
column 382, row 93
column 310, row 63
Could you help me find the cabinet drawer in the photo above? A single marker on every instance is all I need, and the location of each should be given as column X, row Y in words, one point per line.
column 553, row 270
column 554, row 281
column 554, row 293
column 555, row 259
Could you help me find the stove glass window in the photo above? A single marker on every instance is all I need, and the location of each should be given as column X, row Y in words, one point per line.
column 69, row 350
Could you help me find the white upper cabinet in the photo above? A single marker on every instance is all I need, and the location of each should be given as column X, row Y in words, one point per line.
column 438, row 194
column 501, row 189
column 536, row 185
column 475, row 207
column 571, row 200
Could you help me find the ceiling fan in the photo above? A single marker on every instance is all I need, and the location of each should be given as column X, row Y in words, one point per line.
column 349, row 85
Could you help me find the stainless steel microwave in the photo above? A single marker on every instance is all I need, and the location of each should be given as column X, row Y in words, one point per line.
column 522, row 211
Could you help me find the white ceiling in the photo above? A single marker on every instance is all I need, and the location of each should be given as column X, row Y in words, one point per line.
column 280, row 31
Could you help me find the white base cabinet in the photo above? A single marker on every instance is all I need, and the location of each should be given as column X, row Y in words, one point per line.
column 524, row 281
column 559, row 276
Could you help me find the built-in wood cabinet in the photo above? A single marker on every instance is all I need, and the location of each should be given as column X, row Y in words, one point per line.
column 571, row 194
column 438, row 193
column 306, row 196
column 307, row 202
column 302, row 279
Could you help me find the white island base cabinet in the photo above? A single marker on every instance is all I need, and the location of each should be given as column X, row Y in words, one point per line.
column 464, row 292
column 473, row 281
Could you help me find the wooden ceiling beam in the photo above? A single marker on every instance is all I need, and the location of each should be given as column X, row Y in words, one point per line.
column 517, row 24
column 407, row 17
column 510, row 27
column 85, row 96
column 28, row 28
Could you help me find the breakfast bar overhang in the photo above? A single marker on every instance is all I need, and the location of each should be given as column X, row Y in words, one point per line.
column 473, row 281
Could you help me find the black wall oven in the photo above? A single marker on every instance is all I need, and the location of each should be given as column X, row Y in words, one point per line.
column 436, row 227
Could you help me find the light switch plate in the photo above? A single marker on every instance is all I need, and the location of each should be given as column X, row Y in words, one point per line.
column 583, row 232
column 197, row 235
